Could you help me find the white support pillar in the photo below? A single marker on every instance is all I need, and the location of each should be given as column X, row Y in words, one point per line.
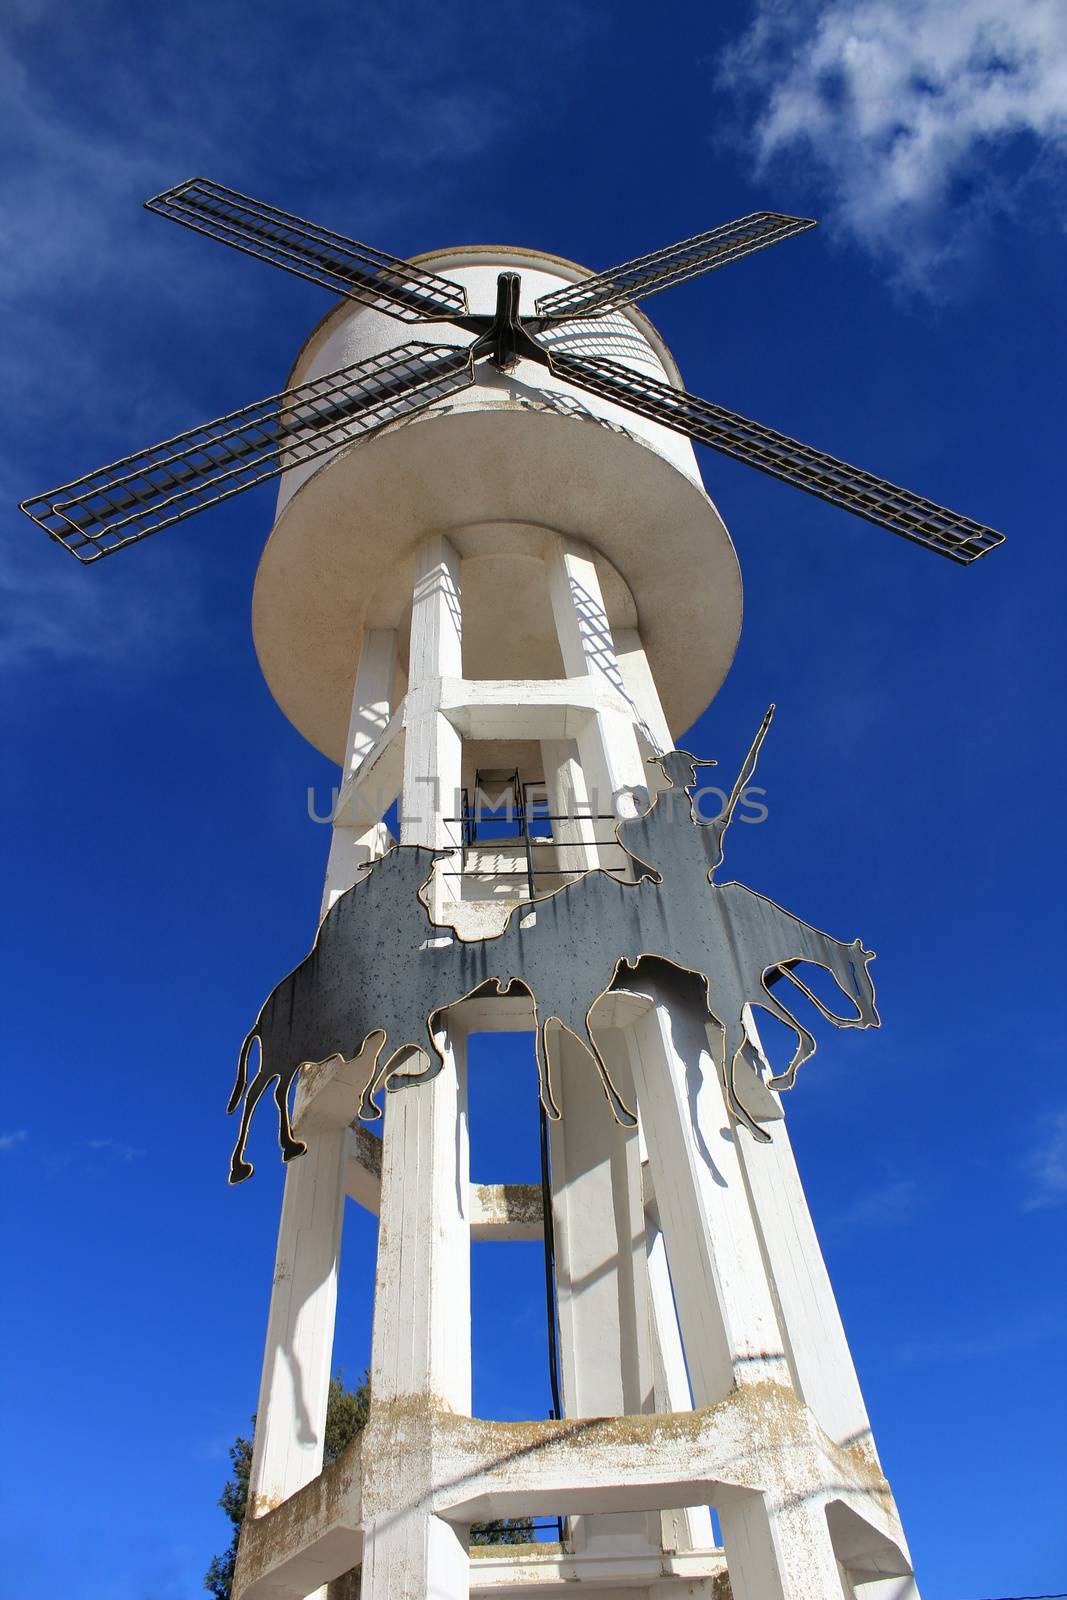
column 607, row 743
column 778, row 1549
column 727, row 1317
column 688, row 1528
column 601, row 1278
column 433, row 750
column 372, row 696
column 823, row 1369
column 294, row 1388
column 413, row 1555
column 421, row 1340
column 573, row 830
column 641, row 688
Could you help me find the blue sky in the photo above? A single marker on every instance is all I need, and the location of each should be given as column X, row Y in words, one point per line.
column 161, row 868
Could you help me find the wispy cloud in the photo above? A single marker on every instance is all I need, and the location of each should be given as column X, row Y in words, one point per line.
column 114, row 1148
column 1046, row 1166
column 900, row 110
column 888, row 1205
column 54, row 611
column 1005, row 1336
column 11, row 1141
column 94, row 119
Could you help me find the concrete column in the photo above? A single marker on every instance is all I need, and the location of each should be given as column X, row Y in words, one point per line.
column 822, row 1365
column 433, row 750
column 574, row 831
column 641, row 688
column 421, row 1336
column 601, row 1279
column 778, row 1550
column 294, row 1388
column 688, row 1528
column 413, row 1555
column 295, row 1381
column 372, row 696
column 607, row 744
column 729, row 1329
column 421, row 1340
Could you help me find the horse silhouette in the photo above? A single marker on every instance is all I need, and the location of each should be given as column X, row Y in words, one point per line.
column 380, row 966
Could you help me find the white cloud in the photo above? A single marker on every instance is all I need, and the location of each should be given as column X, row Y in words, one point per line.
column 54, row 611
column 902, row 109
column 11, row 1141
column 114, row 1148
column 988, row 1338
column 1047, row 1167
column 887, row 1206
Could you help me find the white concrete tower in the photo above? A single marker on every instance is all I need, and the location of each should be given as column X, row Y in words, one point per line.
column 527, row 580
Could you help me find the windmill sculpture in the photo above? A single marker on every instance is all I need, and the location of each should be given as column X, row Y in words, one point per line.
column 494, row 554
column 118, row 505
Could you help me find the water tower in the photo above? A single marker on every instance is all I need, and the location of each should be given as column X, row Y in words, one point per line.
column 495, row 582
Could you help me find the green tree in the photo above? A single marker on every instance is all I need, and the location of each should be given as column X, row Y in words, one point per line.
column 508, row 1530
column 346, row 1414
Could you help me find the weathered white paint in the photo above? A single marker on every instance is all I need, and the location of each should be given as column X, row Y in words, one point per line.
column 641, row 688
column 822, row 1364
column 568, row 802
column 433, row 752
column 607, row 742
column 291, row 1410
column 777, row 1551
column 689, row 1527
column 414, row 1555
column 423, row 1461
column 727, row 1316
column 902, row 1588
column 538, row 1571
column 421, row 1340
column 601, row 1275
column 353, row 845
column 421, row 1336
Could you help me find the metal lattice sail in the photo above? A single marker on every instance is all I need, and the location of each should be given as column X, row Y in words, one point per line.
column 120, row 504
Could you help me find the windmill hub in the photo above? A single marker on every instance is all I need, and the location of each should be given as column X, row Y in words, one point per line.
column 506, row 339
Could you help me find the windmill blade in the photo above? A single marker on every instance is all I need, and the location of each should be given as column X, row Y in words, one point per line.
column 123, row 503
column 887, row 506
column 357, row 271
column 645, row 275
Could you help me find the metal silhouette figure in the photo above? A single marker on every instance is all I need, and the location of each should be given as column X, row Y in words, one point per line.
column 377, row 969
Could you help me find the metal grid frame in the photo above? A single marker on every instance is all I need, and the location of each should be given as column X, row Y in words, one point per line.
column 675, row 263
column 122, row 503
column 876, row 500
column 345, row 266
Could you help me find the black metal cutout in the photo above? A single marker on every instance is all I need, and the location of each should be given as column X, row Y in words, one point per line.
column 375, row 973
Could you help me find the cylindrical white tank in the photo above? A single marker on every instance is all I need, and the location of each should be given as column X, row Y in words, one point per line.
column 497, row 467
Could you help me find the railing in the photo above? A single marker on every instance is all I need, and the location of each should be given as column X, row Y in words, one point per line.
column 529, row 842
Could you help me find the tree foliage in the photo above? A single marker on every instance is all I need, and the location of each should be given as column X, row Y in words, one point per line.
column 346, row 1415
column 507, row 1530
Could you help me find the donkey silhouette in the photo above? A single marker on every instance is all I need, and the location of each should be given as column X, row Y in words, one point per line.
column 379, row 966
